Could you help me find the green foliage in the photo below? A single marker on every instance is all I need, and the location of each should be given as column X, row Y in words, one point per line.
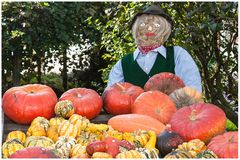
column 230, row 126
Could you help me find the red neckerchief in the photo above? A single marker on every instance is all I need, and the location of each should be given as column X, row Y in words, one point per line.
column 146, row 49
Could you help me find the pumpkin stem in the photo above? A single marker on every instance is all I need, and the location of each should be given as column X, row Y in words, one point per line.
column 231, row 139
column 193, row 115
column 120, row 86
column 79, row 95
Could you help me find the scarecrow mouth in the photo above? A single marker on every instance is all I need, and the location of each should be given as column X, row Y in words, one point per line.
column 149, row 34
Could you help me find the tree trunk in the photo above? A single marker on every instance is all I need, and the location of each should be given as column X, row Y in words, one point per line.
column 16, row 76
column 64, row 71
column 39, row 71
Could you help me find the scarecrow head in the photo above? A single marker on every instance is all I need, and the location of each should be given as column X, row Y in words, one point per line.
column 151, row 28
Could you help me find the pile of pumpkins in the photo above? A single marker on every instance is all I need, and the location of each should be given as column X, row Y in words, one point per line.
column 76, row 137
column 165, row 119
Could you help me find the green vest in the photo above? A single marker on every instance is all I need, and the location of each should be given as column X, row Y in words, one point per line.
column 134, row 74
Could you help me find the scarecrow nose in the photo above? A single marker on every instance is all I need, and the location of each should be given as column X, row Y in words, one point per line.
column 150, row 28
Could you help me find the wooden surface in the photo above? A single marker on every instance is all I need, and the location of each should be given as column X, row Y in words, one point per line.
column 9, row 125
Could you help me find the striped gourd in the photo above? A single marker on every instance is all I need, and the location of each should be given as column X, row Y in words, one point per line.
column 78, row 150
column 39, row 141
column 149, row 153
column 11, row 146
column 101, row 155
column 62, row 152
column 130, row 154
column 86, row 137
column 55, row 121
column 38, row 127
column 65, row 142
column 79, row 121
column 64, row 109
column 42, row 122
column 66, row 128
column 52, row 133
column 193, row 147
column 16, row 134
column 178, row 154
column 207, row 154
column 141, row 138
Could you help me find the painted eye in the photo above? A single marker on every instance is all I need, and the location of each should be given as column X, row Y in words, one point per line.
column 142, row 24
column 157, row 25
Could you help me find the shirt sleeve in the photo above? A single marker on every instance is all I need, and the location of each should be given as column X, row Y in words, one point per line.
column 186, row 68
column 116, row 74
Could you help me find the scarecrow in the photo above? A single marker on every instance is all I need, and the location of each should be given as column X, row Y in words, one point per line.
column 151, row 29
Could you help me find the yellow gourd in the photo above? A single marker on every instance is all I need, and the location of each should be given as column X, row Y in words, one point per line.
column 16, row 134
column 130, row 154
column 101, row 155
column 53, row 133
column 66, row 128
column 11, row 146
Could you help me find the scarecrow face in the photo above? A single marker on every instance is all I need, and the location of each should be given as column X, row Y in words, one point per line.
column 151, row 30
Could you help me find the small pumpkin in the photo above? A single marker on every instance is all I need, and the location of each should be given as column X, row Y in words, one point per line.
column 186, row 96
column 36, row 130
column 97, row 128
column 101, row 155
column 115, row 134
column 16, row 134
column 66, row 128
column 193, row 147
column 165, row 82
column 141, row 138
column 41, row 121
column 118, row 98
column 53, row 133
column 130, row 154
column 80, row 122
column 38, row 127
column 65, row 142
column 86, row 137
column 225, row 145
column 149, row 153
column 61, row 152
column 55, row 121
column 86, row 102
column 168, row 141
column 78, row 150
column 207, row 154
column 178, row 154
column 39, row 141
column 11, row 146
column 64, row 109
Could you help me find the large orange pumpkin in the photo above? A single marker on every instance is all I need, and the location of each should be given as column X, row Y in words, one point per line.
column 155, row 104
column 225, row 145
column 165, row 82
column 133, row 122
column 118, row 98
column 24, row 103
column 199, row 121
column 86, row 102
